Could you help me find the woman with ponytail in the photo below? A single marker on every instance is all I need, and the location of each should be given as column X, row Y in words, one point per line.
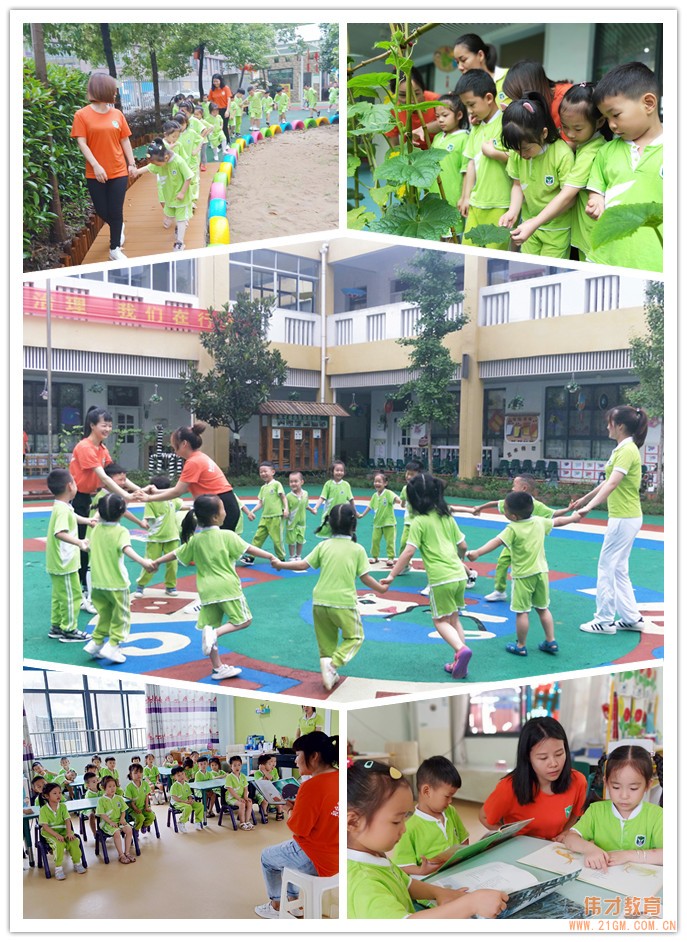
column 627, row 426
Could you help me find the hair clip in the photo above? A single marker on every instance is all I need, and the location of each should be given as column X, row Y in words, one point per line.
column 528, row 106
column 394, row 773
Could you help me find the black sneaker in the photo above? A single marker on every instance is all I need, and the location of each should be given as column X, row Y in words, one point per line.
column 247, row 560
column 55, row 632
column 76, row 635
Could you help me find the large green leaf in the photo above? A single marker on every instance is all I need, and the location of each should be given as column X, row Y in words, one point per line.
column 618, row 222
column 403, row 63
column 375, row 119
column 352, row 164
column 359, row 218
column 419, row 168
column 487, row 234
column 429, row 219
column 380, row 194
column 369, row 79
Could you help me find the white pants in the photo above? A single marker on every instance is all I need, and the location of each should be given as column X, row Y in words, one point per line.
column 614, row 592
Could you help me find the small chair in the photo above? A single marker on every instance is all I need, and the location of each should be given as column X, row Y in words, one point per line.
column 172, row 813
column 312, row 889
column 101, row 842
column 43, row 849
column 527, row 466
column 400, row 466
column 540, row 468
column 405, row 756
column 146, row 828
column 515, row 468
column 230, row 809
column 552, row 471
column 502, row 470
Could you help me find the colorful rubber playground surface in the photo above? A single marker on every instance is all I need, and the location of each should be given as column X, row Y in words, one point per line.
column 401, row 653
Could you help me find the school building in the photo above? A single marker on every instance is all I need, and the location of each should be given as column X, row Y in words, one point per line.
column 544, row 353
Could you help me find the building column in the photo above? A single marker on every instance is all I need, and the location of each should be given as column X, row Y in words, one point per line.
column 471, row 386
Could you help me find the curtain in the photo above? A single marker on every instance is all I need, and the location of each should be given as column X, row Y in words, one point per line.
column 180, row 719
column 460, row 707
column 28, row 756
column 581, row 714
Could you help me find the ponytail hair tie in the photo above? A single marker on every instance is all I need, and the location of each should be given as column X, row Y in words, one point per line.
column 528, row 106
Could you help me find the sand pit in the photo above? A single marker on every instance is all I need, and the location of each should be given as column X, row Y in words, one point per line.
column 286, row 185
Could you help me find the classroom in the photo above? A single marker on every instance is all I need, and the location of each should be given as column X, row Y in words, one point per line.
column 69, row 718
column 474, row 746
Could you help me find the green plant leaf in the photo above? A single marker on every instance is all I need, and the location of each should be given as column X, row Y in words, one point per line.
column 430, row 219
column 486, row 234
column 380, row 194
column 617, row 222
column 369, row 79
column 419, row 168
column 359, row 218
column 352, row 164
column 376, row 119
column 402, row 63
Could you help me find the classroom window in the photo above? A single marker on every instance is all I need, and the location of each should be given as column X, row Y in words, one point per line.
column 67, row 411
column 575, row 422
column 496, row 712
column 262, row 273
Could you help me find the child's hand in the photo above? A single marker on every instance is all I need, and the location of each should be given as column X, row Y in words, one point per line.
column 471, row 555
column 83, row 545
column 275, row 563
column 428, row 866
column 59, row 838
column 596, row 204
column 145, row 525
column 92, row 522
column 464, row 207
column 597, row 860
column 386, row 581
column 382, row 589
column 285, row 515
column 489, row 150
column 616, row 857
column 522, row 232
column 150, row 565
column 576, row 516
column 488, row 903
column 509, row 219
column 250, row 515
column 179, row 197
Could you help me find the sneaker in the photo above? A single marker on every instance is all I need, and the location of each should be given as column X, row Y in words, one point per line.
column 621, row 625
column 217, row 156
column 79, row 868
column 93, row 648
column 139, row 592
column 116, row 255
column 59, row 875
column 88, row 606
column 425, row 591
column 122, row 238
column 203, row 167
column 267, row 911
column 182, row 827
column 171, row 592
column 460, row 664
column 199, row 826
column 55, row 631
column 598, row 627
column 246, row 560
column 178, row 247
column 224, row 671
column 76, row 635
column 209, row 640
column 496, row 596
column 472, row 578
column 329, row 674
column 112, row 652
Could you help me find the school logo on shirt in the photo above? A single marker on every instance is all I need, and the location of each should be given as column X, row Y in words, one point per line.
column 548, row 180
column 568, row 811
column 450, row 147
column 640, row 840
column 115, row 123
column 174, row 172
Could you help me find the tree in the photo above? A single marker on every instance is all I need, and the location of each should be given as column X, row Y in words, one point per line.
column 245, row 368
column 58, row 230
column 329, row 47
column 431, row 285
column 647, row 357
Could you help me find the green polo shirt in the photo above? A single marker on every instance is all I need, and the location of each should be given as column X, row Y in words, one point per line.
column 271, row 496
column 214, row 552
column 341, row 562
column 161, row 517
column 582, row 224
column 541, row 178
column 180, row 790
column 624, row 500
column 57, row 820
column 525, row 540
column 112, row 807
column 436, row 538
column 383, row 506
column 493, row 186
column 377, row 888
column 107, row 545
column 538, row 509
column 425, row 836
column 239, row 782
column 602, row 824
column 138, row 793
column 61, row 558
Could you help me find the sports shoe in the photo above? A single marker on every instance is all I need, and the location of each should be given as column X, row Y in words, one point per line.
column 88, row 606
column 496, row 596
column 182, row 827
column 330, row 678
column 171, row 591
column 55, row 631
column 598, row 627
column 267, row 911
column 472, row 578
column 216, row 155
column 139, row 592
column 79, row 867
column 122, row 238
column 425, row 591
column 224, row 671
column 112, row 652
column 178, row 247
column 93, row 648
column 76, row 635
column 209, row 640
column 621, row 625
column 116, row 255
column 460, row 663
column 59, row 875
column 199, row 826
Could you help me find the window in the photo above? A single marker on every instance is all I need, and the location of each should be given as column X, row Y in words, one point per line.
column 299, row 331
column 546, row 301
column 494, row 417
column 293, row 281
column 376, row 327
column 123, row 395
column 575, row 422
column 170, row 277
column 602, row 293
column 502, row 711
column 344, row 331
column 628, row 42
column 67, row 412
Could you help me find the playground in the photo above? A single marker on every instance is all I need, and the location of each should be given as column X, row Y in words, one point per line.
column 401, row 653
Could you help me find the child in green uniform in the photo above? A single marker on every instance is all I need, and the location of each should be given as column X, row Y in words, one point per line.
column 138, row 793
column 624, row 829
column 111, row 812
column 539, row 163
column 526, row 483
column 435, row 830
column 267, row 107
column 452, row 138
column 334, row 96
column 91, row 790
column 379, row 802
column 275, row 509
column 56, row 827
column 384, row 526
column 110, row 580
column 118, row 474
column 335, row 491
column 182, row 799
column 237, row 787
column 254, row 108
column 151, row 774
column 236, row 109
column 62, row 559
column 204, row 128
column 110, row 768
column 281, row 103
column 412, row 468
column 297, row 503
column 629, row 169
column 192, row 141
column 215, row 552
column 215, row 796
column 267, row 769
column 176, row 178
column 216, row 137
column 487, row 186
column 203, row 774
column 436, row 535
column 163, row 536
column 524, row 536
column 310, row 98
column 335, row 602
column 586, row 129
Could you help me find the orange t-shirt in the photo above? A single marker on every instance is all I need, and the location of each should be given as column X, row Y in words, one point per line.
column 203, row 476
column 104, row 134
column 315, row 822
column 550, row 812
column 429, row 115
column 559, row 90
column 85, row 457
column 220, row 96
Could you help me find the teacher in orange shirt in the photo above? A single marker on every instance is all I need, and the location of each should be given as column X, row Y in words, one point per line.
column 102, row 133
column 221, row 95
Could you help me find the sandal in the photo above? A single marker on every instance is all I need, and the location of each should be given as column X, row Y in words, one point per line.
column 124, row 859
column 549, row 647
column 132, row 858
column 513, row 648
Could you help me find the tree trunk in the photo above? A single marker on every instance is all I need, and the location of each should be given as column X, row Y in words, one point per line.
column 155, row 75
column 201, row 60
column 243, row 72
column 430, row 462
column 58, row 232
column 109, row 58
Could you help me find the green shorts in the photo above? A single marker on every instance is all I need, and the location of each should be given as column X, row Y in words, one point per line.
column 552, row 243
column 447, row 598
column 178, row 211
column 485, row 217
column 295, row 535
column 530, row 592
column 236, row 611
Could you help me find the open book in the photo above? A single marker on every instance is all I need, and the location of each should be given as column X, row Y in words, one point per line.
column 630, row 879
column 462, row 852
column 279, row 791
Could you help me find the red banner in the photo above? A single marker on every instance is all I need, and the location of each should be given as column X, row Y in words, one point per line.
column 85, row 307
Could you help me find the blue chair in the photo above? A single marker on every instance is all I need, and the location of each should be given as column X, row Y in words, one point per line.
column 43, row 849
column 540, row 468
column 527, row 466
column 101, row 843
column 552, row 471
